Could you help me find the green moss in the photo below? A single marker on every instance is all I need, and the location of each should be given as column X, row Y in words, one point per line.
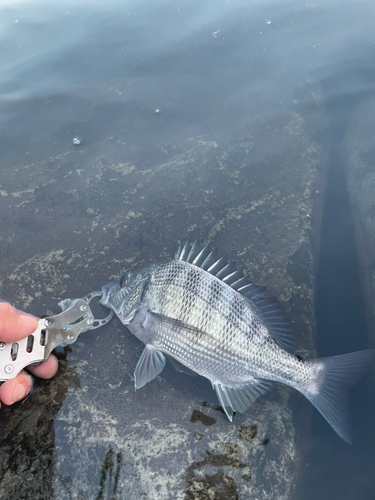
column 230, row 448
column 218, row 461
column 218, row 486
column 248, row 432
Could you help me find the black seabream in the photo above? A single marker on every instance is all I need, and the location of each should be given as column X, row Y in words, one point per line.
column 203, row 315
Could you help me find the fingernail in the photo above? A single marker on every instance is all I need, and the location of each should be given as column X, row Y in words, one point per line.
column 30, row 389
column 29, row 320
column 19, row 392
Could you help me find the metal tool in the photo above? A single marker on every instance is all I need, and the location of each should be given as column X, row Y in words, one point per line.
column 57, row 330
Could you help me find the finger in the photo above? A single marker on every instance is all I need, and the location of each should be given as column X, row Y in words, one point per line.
column 15, row 389
column 5, row 306
column 47, row 369
column 14, row 326
column 23, row 313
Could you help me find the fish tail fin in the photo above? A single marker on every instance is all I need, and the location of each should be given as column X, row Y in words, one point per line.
column 328, row 391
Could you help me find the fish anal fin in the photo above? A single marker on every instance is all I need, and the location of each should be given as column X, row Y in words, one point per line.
column 149, row 365
column 239, row 398
column 224, row 399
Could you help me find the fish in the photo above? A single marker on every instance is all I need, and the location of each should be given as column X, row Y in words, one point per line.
column 201, row 313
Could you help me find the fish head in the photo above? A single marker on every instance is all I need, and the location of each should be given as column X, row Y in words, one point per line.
column 123, row 295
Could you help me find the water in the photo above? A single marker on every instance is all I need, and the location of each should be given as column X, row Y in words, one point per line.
column 126, row 126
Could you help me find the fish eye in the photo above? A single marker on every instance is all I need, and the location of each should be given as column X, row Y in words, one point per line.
column 122, row 281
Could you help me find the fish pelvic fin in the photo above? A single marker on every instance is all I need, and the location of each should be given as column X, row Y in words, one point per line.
column 239, row 398
column 150, row 365
column 328, row 392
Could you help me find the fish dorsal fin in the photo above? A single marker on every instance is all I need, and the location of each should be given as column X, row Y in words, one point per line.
column 273, row 315
column 240, row 398
column 268, row 308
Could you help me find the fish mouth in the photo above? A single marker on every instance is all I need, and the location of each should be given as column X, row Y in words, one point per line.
column 113, row 299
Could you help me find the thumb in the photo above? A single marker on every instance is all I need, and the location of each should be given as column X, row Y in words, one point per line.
column 16, row 326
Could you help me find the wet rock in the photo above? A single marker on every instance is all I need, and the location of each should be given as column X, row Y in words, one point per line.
column 106, row 207
column 27, row 439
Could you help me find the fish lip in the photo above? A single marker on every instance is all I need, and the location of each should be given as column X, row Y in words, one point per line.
column 105, row 296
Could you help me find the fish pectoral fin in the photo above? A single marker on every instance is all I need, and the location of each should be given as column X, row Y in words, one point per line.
column 180, row 367
column 240, row 397
column 154, row 320
column 150, row 364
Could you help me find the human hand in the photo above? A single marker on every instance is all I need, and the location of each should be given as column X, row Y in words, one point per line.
column 15, row 325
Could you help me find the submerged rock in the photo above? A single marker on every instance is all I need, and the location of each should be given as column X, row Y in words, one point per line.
column 87, row 433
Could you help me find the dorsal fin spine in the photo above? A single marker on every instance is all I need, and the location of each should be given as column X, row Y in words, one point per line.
column 195, row 249
column 201, row 257
column 217, row 266
column 233, row 277
column 212, row 257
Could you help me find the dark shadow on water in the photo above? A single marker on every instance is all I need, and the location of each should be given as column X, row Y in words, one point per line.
column 331, row 469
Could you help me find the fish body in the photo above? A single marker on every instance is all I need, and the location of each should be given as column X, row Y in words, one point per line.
column 201, row 313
